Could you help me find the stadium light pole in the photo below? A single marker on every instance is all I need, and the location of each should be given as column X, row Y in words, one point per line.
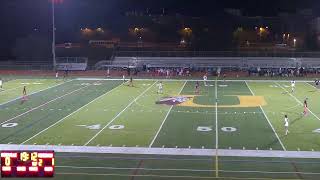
column 53, row 35
column 53, row 2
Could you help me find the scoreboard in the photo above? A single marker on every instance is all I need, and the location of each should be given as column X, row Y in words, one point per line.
column 27, row 164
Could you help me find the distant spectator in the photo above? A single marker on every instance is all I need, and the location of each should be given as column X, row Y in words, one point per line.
column 218, row 72
column 108, row 72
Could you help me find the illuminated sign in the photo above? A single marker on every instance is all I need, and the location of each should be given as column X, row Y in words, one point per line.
column 27, row 164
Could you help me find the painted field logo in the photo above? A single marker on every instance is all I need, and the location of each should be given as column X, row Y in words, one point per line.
column 188, row 101
column 171, row 101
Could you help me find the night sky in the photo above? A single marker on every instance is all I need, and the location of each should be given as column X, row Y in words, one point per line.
column 19, row 18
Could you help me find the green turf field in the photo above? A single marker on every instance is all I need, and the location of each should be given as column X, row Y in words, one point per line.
column 231, row 115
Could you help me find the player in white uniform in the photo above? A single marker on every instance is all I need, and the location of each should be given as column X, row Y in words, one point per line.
column 160, row 88
column 317, row 83
column 108, row 73
column 123, row 78
column 286, row 124
column 218, row 72
column 1, row 84
column 205, row 78
column 57, row 76
column 293, row 85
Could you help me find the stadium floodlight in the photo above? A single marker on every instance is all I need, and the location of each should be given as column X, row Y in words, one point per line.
column 100, row 30
column 53, row 2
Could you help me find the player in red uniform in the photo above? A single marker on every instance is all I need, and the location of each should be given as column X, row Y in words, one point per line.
column 1, row 89
column 305, row 105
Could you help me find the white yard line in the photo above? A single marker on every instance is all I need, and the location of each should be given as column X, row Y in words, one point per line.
column 156, row 176
column 34, row 92
column 149, row 176
column 31, row 83
column 135, row 168
column 217, row 132
column 71, row 114
column 7, row 90
column 271, row 172
column 165, row 151
column 298, row 101
column 164, row 120
column 188, row 80
column 187, row 170
column 282, row 145
column 310, row 85
column 265, row 115
column 35, row 108
column 216, row 115
column 133, row 101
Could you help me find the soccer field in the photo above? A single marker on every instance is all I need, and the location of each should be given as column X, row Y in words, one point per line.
column 226, row 117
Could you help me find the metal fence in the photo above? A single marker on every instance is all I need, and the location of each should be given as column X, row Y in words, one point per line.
column 26, row 65
column 72, row 59
column 38, row 64
column 216, row 54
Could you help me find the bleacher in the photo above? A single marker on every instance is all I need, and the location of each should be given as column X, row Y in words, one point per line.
column 173, row 53
column 211, row 59
column 225, row 62
column 72, row 63
column 93, row 54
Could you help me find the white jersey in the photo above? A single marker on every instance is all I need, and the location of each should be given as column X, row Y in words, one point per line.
column 218, row 71
column 0, row 82
column 286, row 122
column 293, row 83
column 205, row 78
column 160, row 86
column 57, row 74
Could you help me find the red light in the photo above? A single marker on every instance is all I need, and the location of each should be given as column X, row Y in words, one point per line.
column 48, row 169
column 45, row 155
column 6, row 168
column 11, row 155
column 33, row 169
column 36, row 164
column 21, row 168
